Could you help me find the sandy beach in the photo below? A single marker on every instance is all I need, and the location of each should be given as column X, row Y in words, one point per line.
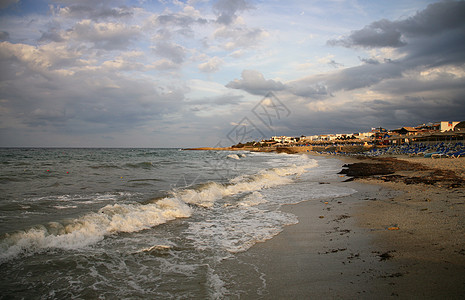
column 401, row 235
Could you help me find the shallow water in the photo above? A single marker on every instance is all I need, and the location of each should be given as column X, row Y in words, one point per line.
column 143, row 223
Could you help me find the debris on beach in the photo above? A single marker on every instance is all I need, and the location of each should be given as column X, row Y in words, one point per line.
column 394, row 170
column 385, row 256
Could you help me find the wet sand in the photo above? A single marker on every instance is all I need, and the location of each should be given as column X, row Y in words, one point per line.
column 402, row 235
column 429, row 245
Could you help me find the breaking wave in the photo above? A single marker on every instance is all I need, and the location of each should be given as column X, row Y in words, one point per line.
column 112, row 219
column 92, row 227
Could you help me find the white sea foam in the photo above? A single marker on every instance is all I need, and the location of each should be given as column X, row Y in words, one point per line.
column 207, row 195
column 155, row 249
column 238, row 230
column 93, row 227
column 83, row 198
column 217, row 286
column 65, row 207
column 253, row 199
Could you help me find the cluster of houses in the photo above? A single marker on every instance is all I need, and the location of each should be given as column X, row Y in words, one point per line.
column 425, row 133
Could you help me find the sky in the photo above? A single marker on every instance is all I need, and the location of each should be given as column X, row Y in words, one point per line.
column 171, row 73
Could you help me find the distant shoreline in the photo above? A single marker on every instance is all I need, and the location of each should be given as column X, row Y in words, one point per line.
column 289, row 149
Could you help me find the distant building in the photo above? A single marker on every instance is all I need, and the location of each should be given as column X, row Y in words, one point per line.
column 406, row 131
column 309, row 138
column 460, row 127
column 284, row 139
column 364, row 135
column 446, row 125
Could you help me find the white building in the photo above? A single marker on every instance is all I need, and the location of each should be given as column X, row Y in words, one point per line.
column 309, row 138
column 447, row 125
column 283, row 139
column 365, row 135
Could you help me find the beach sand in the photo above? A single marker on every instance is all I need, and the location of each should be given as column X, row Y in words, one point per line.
column 388, row 240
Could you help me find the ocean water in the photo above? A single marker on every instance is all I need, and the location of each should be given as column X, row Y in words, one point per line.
column 143, row 223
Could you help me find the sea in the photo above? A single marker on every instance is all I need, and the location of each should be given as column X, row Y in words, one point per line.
column 145, row 223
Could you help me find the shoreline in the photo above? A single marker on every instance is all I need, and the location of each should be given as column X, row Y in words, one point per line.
column 390, row 239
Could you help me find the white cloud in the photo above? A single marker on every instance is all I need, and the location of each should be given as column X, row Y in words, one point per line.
column 44, row 59
column 108, row 36
column 211, row 65
column 234, row 38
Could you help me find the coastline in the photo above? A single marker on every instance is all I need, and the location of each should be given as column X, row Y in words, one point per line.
column 429, row 245
column 388, row 240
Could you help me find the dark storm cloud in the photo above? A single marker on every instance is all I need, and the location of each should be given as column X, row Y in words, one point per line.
column 434, row 37
column 378, row 34
column 320, row 86
column 436, row 19
column 444, row 83
column 422, row 81
column 445, row 49
column 417, row 109
column 363, row 76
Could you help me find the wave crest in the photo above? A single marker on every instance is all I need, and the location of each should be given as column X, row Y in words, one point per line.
column 92, row 227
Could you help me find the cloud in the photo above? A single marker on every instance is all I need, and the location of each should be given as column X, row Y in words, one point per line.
column 422, row 77
column 254, row 82
column 418, row 46
column 371, row 61
column 5, row 3
column 185, row 19
column 52, row 35
column 232, row 33
column 235, row 37
column 94, row 10
column 45, row 59
column 220, row 100
column 108, row 36
column 436, row 19
column 163, row 65
column 211, row 66
column 309, row 88
column 93, row 101
column 171, row 51
column 378, row 34
column 4, row 35
column 227, row 10
column 126, row 68
column 53, row 88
